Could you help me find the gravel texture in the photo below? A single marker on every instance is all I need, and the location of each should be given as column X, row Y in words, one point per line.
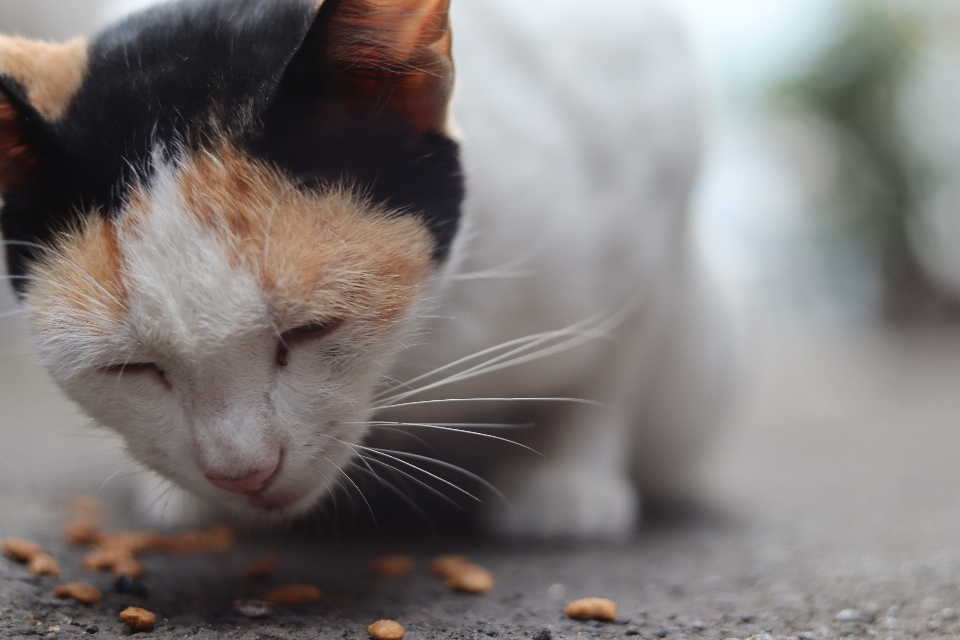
column 830, row 510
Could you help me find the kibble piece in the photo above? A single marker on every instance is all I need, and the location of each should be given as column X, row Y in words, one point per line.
column 253, row 608
column 446, row 566
column 393, row 566
column 471, row 578
column 127, row 565
column 101, row 559
column 214, row 541
column 264, row 568
column 21, row 550
column 593, row 609
column 131, row 541
column 45, row 565
column 84, row 509
column 386, row 630
column 294, row 595
column 82, row 532
column 138, row 619
column 116, row 560
column 80, row 591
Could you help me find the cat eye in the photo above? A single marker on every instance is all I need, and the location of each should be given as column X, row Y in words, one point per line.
column 137, row 367
column 302, row 333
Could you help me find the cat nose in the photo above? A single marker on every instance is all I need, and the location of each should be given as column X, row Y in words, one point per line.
column 248, row 484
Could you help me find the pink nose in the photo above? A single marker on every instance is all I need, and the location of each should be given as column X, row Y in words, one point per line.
column 253, row 482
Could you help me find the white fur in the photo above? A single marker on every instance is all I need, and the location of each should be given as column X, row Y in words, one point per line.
column 582, row 144
column 229, row 409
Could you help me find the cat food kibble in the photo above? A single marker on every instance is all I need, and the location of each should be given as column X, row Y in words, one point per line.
column 80, row 591
column 127, row 565
column 216, row 540
column 101, row 559
column 471, row 578
column 446, row 566
column 21, row 550
column 118, row 561
column 44, row 565
column 138, row 619
column 294, row 595
column 393, row 566
column 592, row 609
column 117, row 549
column 132, row 541
column 264, row 568
column 386, row 630
column 84, row 509
column 82, row 533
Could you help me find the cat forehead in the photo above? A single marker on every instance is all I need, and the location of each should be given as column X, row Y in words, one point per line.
column 195, row 74
column 221, row 244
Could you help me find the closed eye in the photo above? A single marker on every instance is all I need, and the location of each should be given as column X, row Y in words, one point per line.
column 132, row 368
column 294, row 336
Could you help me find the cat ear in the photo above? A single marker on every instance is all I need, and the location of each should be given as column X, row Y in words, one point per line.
column 19, row 162
column 392, row 54
column 37, row 82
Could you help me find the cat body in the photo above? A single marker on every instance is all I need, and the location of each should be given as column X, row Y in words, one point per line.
column 251, row 271
column 581, row 147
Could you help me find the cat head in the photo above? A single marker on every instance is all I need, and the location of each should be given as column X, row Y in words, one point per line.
column 221, row 216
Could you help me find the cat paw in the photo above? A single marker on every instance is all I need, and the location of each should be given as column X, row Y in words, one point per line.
column 560, row 502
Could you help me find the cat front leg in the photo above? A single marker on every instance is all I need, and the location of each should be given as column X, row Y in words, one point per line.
column 581, row 489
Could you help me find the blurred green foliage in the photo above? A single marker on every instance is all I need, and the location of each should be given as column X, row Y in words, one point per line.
column 854, row 86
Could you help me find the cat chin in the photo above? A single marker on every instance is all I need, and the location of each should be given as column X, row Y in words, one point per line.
column 272, row 509
column 183, row 507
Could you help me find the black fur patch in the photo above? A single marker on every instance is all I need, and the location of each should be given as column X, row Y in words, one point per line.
column 191, row 72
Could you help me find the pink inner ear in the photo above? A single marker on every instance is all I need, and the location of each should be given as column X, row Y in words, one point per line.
column 18, row 162
column 398, row 52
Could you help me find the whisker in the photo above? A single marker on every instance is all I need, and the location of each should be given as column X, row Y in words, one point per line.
column 166, row 503
column 452, row 467
column 459, row 430
column 465, row 425
column 518, row 351
column 12, row 313
column 109, row 478
column 345, row 475
column 517, row 347
column 407, row 499
column 387, row 454
column 417, row 403
column 164, row 490
column 415, row 438
column 420, row 482
column 479, row 354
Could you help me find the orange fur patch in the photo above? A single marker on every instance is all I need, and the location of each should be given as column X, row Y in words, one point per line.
column 320, row 256
column 50, row 73
column 397, row 52
column 83, row 273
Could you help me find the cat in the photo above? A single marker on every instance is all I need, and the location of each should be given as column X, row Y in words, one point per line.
column 257, row 238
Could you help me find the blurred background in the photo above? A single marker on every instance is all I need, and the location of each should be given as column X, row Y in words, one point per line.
column 832, row 188
column 829, row 210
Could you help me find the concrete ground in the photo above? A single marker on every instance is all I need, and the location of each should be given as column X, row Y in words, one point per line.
column 831, row 508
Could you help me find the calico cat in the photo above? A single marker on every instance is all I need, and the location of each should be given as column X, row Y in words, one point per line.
column 251, row 239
